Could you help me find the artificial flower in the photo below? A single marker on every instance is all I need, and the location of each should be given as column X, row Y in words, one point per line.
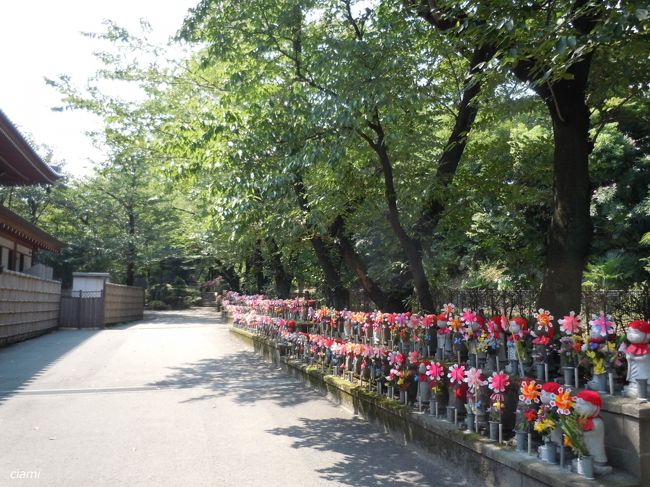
column 544, row 319
column 435, row 370
column 544, row 426
column 563, row 401
column 529, row 392
column 602, row 325
column 570, row 324
column 474, row 380
column 498, row 382
column 530, row 415
column 414, row 357
column 457, row 374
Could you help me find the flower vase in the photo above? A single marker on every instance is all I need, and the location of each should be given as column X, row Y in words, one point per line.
column 521, row 438
column 585, row 466
column 433, row 408
column 403, row 398
column 569, row 376
column 494, row 431
column 548, row 452
column 391, row 392
column 490, row 363
column 470, row 422
column 600, row 382
column 642, row 388
column 451, row 414
column 539, row 372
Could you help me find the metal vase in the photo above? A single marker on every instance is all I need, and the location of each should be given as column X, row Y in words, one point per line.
column 642, row 388
column 451, row 413
column 539, row 372
column 470, row 422
column 601, row 381
column 585, row 467
column 548, row 452
column 569, row 376
column 494, row 431
column 521, row 437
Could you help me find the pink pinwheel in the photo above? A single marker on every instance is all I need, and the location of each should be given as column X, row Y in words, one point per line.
column 414, row 357
column 474, row 380
column 457, row 374
column 498, row 382
column 393, row 374
column 392, row 358
column 602, row 325
column 448, row 309
column 435, row 370
column 570, row 324
column 468, row 316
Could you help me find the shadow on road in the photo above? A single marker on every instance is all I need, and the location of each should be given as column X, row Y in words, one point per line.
column 241, row 375
column 370, row 457
column 23, row 363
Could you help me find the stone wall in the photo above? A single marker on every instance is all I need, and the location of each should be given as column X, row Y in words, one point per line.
column 487, row 463
column 29, row 306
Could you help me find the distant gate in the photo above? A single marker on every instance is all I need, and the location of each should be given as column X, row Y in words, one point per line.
column 82, row 309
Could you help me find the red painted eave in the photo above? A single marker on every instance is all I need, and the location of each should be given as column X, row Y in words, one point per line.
column 28, row 232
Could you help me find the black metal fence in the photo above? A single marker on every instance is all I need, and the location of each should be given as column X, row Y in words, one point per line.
column 622, row 305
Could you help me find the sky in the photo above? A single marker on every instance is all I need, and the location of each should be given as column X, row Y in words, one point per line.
column 42, row 38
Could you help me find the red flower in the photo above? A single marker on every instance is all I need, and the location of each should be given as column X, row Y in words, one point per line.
column 531, row 415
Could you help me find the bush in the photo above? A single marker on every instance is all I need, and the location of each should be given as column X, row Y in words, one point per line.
column 176, row 296
column 159, row 306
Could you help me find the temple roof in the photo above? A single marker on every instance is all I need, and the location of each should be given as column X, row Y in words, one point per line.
column 24, row 230
column 19, row 163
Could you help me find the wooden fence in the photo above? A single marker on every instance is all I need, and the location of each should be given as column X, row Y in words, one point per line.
column 122, row 303
column 29, row 306
column 94, row 309
column 82, row 309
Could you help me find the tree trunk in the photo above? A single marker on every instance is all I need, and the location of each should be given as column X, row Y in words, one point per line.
column 384, row 302
column 336, row 294
column 455, row 147
column 410, row 246
column 570, row 231
column 281, row 276
column 230, row 275
column 130, row 250
column 258, row 268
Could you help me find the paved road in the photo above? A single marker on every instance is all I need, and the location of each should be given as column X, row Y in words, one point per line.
column 175, row 400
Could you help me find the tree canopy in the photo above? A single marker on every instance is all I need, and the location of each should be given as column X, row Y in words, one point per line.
column 400, row 148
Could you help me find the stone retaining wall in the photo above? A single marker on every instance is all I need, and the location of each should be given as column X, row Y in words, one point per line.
column 486, row 462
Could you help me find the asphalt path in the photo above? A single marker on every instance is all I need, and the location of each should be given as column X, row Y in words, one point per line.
column 176, row 400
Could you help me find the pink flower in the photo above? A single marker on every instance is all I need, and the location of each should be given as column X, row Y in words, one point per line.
column 414, row 357
column 499, row 381
column 570, row 324
column 474, row 380
column 468, row 316
column 602, row 325
column 392, row 358
column 457, row 373
column 435, row 370
column 448, row 309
